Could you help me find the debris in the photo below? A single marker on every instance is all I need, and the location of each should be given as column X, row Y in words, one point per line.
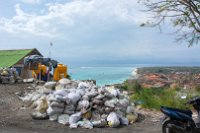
column 73, row 119
column 101, row 123
column 63, row 119
column 113, row 120
column 31, row 80
column 85, row 124
column 86, row 105
column 131, row 117
column 39, row 116
column 50, row 85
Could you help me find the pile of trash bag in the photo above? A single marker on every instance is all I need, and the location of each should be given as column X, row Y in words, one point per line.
column 81, row 104
column 9, row 76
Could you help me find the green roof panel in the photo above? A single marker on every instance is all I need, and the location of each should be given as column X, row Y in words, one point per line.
column 10, row 57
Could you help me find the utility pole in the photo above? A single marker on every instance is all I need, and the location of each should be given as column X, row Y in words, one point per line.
column 50, row 65
column 51, row 44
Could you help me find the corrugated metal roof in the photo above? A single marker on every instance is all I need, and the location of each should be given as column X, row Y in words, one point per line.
column 10, row 57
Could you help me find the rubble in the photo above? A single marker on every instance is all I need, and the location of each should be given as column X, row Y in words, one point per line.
column 81, row 104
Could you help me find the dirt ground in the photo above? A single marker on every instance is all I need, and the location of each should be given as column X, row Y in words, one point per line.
column 15, row 118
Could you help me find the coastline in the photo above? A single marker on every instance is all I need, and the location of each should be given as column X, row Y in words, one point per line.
column 104, row 75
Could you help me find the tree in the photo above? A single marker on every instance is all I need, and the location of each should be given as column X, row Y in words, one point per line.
column 183, row 14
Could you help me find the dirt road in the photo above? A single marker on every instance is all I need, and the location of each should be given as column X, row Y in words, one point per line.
column 15, row 118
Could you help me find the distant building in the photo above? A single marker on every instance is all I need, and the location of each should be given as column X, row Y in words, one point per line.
column 15, row 58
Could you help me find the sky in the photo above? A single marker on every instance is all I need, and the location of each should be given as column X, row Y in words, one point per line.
column 90, row 32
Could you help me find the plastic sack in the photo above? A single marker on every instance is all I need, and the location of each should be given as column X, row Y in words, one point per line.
column 59, row 87
column 57, row 104
column 99, row 97
column 39, row 116
column 73, row 125
column 101, row 90
column 73, row 119
column 63, row 119
column 53, row 117
column 85, row 124
column 50, row 85
column 69, row 109
column 123, row 103
column 113, row 120
column 83, row 85
column 74, row 97
column 86, row 115
column 123, row 120
column 85, row 97
column 111, row 103
column 64, row 81
column 131, row 117
column 60, row 98
column 54, row 110
column 130, row 110
column 113, row 91
column 61, row 92
column 84, row 104
column 52, row 98
column 81, row 92
column 101, row 123
column 91, row 93
column 42, row 105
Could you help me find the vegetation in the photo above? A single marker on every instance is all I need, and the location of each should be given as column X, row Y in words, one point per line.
column 68, row 77
column 155, row 97
column 166, row 70
column 183, row 14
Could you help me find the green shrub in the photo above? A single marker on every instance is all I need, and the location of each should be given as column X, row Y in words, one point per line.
column 154, row 98
column 131, row 86
column 68, row 77
column 197, row 88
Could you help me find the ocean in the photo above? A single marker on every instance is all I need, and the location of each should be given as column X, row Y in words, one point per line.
column 103, row 75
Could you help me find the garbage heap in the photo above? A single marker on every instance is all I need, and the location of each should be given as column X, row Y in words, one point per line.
column 9, row 76
column 81, row 104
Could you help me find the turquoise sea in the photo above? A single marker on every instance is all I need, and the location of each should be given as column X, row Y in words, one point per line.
column 104, row 75
column 109, row 74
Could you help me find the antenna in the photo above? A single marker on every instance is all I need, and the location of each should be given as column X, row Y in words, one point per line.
column 51, row 44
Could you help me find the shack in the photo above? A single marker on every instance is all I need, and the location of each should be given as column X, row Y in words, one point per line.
column 15, row 58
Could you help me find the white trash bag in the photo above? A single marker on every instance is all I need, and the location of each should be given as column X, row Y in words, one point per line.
column 74, row 97
column 63, row 119
column 50, row 85
column 84, row 104
column 113, row 120
column 85, row 124
column 73, row 119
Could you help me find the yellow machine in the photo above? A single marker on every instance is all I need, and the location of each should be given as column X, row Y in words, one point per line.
column 41, row 70
column 44, row 66
column 60, row 72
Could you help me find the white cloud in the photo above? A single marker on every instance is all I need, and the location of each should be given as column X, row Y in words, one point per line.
column 31, row 1
column 84, row 30
column 59, row 19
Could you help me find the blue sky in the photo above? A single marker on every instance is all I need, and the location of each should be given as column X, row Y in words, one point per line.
column 90, row 32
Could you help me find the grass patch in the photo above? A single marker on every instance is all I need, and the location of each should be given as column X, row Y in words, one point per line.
column 155, row 97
